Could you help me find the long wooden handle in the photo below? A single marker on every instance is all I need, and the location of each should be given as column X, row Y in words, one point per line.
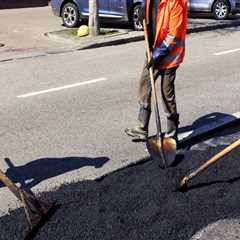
column 215, row 158
column 11, row 186
column 154, row 94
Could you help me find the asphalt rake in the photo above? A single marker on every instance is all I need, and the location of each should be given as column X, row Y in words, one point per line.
column 37, row 212
column 203, row 167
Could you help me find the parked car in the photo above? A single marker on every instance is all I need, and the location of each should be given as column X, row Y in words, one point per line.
column 220, row 8
column 72, row 11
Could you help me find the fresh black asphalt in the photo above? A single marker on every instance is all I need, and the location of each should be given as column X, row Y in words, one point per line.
column 141, row 202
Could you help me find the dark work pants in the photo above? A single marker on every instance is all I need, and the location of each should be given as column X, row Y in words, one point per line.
column 167, row 89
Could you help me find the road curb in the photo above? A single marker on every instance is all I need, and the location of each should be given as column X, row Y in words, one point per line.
column 140, row 37
column 122, row 38
column 213, row 27
column 114, row 42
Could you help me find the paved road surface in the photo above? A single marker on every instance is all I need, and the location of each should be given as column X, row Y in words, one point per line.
column 77, row 133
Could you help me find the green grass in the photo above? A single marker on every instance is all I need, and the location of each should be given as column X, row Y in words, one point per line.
column 105, row 31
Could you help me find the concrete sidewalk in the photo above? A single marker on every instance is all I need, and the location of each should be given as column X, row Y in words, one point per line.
column 22, row 31
column 195, row 25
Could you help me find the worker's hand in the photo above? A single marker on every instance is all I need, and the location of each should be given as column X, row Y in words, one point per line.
column 157, row 55
column 150, row 64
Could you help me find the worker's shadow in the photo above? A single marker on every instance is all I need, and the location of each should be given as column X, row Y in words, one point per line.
column 33, row 173
column 200, row 132
column 205, row 127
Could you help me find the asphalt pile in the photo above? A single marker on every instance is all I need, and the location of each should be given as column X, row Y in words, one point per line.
column 141, row 202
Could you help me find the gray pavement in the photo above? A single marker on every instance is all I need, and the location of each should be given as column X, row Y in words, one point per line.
column 22, row 30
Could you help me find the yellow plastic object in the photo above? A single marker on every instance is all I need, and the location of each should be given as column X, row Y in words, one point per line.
column 83, row 31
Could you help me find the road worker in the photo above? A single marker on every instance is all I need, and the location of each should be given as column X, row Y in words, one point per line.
column 166, row 26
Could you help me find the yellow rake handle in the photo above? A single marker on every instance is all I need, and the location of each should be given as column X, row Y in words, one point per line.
column 215, row 158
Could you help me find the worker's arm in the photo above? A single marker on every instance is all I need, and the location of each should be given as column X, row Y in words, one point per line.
column 176, row 24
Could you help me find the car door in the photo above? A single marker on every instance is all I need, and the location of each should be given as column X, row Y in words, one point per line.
column 117, row 7
column 200, row 5
column 103, row 7
column 84, row 7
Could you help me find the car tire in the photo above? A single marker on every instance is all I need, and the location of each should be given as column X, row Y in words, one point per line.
column 221, row 9
column 70, row 15
column 137, row 21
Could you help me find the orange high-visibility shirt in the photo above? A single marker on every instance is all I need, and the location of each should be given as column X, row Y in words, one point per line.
column 171, row 25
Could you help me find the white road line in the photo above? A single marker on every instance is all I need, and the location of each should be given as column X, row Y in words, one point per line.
column 226, row 52
column 61, row 88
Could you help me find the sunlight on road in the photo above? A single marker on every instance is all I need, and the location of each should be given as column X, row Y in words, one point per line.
column 222, row 229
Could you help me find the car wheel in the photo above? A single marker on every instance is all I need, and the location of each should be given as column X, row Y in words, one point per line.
column 221, row 9
column 137, row 20
column 70, row 15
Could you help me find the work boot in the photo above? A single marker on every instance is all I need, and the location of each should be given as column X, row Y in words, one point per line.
column 140, row 131
column 172, row 126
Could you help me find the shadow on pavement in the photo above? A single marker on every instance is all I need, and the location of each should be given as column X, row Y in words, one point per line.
column 7, row 4
column 201, row 122
column 198, row 15
column 33, row 173
column 106, row 23
column 141, row 202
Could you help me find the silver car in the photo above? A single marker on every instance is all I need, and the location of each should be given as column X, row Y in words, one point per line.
column 220, row 8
